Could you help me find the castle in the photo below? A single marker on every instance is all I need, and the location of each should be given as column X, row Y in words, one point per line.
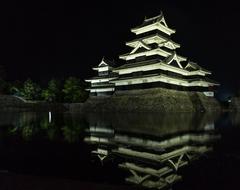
column 152, row 63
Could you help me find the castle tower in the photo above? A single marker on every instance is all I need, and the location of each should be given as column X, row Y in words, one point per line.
column 100, row 85
column 153, row 62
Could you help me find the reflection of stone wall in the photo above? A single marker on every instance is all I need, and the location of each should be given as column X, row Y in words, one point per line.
column 157, row 124
column 152, row 100
column 74, row 107
column 235, row 119
column 9, row 119
column 235, row 104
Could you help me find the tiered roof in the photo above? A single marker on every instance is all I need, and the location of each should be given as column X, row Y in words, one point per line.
column 164, row 48
column 192, row 66
column 154, row 38
column 104, row 63
column 153, row 58
column 154, row 23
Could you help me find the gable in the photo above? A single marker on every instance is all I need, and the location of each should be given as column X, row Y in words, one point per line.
column 192, row 66
column 170, row 45
column 140, row 45
column 103, row 64
column 174, row 63
column 141, row 49
column 163, row 22
column 173, row 60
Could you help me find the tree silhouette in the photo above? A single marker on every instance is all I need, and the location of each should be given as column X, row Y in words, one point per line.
column 74, row 91
column 53, row 92
column 31, row 91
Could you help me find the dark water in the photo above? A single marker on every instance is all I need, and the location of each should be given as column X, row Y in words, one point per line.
column 119, row 151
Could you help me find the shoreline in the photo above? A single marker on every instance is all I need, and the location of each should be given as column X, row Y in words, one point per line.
column 134, row 101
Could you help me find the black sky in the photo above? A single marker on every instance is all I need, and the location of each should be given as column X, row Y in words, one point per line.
column 44, row 39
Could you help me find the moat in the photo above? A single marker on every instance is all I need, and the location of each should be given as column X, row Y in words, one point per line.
column 119, row 151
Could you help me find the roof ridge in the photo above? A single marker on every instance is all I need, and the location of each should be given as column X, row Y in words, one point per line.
column 159, row 17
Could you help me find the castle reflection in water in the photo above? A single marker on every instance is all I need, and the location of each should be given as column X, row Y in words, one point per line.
column 150, row 150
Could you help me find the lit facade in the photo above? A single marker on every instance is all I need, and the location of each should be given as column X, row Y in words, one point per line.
column 153, row 62
column 100, row 85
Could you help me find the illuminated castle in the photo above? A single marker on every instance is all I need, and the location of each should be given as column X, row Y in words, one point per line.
column 152, row 63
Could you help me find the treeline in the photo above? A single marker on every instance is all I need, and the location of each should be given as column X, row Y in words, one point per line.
column 70, row 90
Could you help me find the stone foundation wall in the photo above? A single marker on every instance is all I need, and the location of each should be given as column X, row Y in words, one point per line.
column 12, row 103
column 147, row 100
column 152, row 100
column 209, row 103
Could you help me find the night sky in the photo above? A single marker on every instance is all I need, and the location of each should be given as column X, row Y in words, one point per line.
column 43, row 40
